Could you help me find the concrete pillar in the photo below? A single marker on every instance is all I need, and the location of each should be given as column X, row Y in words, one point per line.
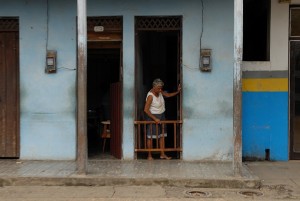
column 81, row 88
column 237, row 87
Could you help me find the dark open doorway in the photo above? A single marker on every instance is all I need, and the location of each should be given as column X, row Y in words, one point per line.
column 294, row 100
column 294, row 83
column 104, row 87
column 158, row 53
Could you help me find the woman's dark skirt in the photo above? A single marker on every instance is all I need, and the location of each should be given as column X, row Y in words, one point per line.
column 151, row 128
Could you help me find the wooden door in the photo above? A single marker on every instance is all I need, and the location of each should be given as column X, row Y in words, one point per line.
column 116, row 120
column 9, row 94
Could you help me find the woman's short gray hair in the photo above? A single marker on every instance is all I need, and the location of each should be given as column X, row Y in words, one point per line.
column 157, row 82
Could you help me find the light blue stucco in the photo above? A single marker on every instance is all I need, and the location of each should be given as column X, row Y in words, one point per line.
column 48, row 124
column 48, row 101
column 208, row 103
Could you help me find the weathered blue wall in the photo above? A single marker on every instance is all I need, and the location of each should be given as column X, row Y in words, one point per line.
column 48, row 102
column 207, row 97
column 48, row 126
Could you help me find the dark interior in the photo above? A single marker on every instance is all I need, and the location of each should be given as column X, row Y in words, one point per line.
column 256, row 39
column 103, row 68
column 294, row 99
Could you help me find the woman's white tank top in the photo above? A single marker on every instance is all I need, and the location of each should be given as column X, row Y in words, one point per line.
column 158, row 103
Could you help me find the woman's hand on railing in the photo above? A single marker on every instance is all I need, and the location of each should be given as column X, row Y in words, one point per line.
column 157, row 121
column 162, row 122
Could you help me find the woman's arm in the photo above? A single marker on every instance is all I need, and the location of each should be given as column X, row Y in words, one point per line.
column 147, row 108
column 165, row 94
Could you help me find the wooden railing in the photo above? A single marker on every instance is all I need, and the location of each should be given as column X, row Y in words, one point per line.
column 175, row 126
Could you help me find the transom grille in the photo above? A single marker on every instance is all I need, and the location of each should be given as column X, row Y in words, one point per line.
column 157, row 23
column 9, row 24
column 109, row 23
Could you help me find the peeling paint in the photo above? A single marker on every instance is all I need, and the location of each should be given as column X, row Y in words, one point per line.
column 204, row 114
column 237, row 91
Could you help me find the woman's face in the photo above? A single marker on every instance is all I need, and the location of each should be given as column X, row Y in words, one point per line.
column 157, row 89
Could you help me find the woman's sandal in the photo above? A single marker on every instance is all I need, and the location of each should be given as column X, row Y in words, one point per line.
column 165, row 157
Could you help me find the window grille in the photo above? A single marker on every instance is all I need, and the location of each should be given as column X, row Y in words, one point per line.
column 109, row 23
column 158, row 23
column 9, row 24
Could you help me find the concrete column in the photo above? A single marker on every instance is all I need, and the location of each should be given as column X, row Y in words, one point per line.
column 81, row 88
column 237, row 87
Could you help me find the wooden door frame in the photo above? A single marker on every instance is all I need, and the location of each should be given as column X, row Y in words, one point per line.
column 176, row 27
column 111, row 37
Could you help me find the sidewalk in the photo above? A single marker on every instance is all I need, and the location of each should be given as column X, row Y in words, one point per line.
column 282, row 177
column 276, row 173
column 120, row 172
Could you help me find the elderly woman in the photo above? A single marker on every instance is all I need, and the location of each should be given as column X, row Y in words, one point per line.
column 155, row 110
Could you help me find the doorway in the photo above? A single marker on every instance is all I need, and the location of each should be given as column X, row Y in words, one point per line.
column 295, row 99
column 295, row 83
column 158, row 55
column 104, row 87
column 9, row 88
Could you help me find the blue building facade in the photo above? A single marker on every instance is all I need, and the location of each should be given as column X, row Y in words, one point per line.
column 48, row 102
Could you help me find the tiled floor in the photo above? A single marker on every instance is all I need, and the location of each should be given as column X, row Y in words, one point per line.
column 121, row 172
column 122, row 168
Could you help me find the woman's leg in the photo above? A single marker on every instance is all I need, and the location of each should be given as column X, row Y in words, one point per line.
column 149, row 146
column 162, row 146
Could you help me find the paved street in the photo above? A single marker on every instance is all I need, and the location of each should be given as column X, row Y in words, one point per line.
column 139, row 193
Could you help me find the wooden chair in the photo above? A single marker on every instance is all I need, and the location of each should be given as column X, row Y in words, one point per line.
column 105, row 133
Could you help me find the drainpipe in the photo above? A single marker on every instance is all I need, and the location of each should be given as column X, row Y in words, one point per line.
column 237, row 87
column 81, row 88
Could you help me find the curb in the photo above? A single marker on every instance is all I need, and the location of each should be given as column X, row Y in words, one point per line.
column 99, row 181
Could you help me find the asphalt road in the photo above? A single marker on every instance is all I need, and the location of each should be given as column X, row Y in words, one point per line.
column 143, row 193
